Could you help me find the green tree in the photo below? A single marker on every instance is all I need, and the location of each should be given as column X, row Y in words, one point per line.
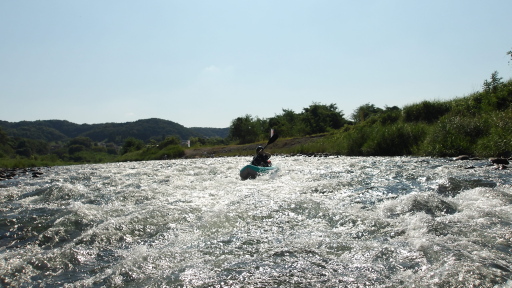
column 79, row 144
column 25, row 151
column 83, row 141
column 390, row 115
column 5, row 148
column 132, row 144
column 3, row 137
column 73, row 149
column 364, row 112
column 288, row 124
column 171, row 140
column 319, row 118
column 111, row 148
column 245, row 130
column 197, row 141
column 28, row 147
column 492, row 85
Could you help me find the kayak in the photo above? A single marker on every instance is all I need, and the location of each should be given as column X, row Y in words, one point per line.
column 251, row 171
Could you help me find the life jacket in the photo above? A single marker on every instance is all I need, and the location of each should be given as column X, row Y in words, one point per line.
column 261, row 160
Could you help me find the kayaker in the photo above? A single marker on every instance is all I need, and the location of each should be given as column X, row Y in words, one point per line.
column 261, row 158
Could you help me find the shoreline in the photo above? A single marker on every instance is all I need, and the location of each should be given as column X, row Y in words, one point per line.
column 248, row 149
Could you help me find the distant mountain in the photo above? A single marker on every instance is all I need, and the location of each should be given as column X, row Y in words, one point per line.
column 147, row 129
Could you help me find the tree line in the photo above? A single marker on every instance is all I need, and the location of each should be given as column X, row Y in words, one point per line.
column 16, row 152
column 57, row 142
column 478, row 124
column 315, row 119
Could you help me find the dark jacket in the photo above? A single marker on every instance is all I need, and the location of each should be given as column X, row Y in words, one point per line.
column 261, row 159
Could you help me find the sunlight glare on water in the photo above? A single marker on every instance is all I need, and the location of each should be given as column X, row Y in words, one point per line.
column 313, row 222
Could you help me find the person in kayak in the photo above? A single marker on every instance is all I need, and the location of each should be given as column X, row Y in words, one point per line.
column 261, row 158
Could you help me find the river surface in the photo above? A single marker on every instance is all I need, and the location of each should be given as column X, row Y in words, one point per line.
column 315, row 222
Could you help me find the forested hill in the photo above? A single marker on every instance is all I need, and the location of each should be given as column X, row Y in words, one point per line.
column 146, row 129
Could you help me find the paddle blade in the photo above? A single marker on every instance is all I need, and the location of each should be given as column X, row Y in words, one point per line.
column 272, row 139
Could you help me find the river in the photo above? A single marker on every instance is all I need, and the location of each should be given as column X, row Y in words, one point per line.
column 314, row 222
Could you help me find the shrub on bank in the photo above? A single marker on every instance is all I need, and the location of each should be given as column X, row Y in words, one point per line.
column 378, row 140
column 426, row 111
column 394, row 140
column 498, row 142
column 455, row 136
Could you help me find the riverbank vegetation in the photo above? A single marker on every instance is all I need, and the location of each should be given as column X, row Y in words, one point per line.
column 476, row 125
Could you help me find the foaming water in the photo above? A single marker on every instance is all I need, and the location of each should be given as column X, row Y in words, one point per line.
column 315, row 222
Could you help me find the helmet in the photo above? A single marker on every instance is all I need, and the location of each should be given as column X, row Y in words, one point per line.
column 259, row 149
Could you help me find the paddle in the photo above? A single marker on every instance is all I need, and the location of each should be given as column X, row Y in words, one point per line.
column 271, row 140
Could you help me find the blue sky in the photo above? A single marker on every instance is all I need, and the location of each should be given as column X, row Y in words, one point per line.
column 205, row 63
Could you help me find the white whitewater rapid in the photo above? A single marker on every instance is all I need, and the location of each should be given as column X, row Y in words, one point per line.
column 315, row 222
